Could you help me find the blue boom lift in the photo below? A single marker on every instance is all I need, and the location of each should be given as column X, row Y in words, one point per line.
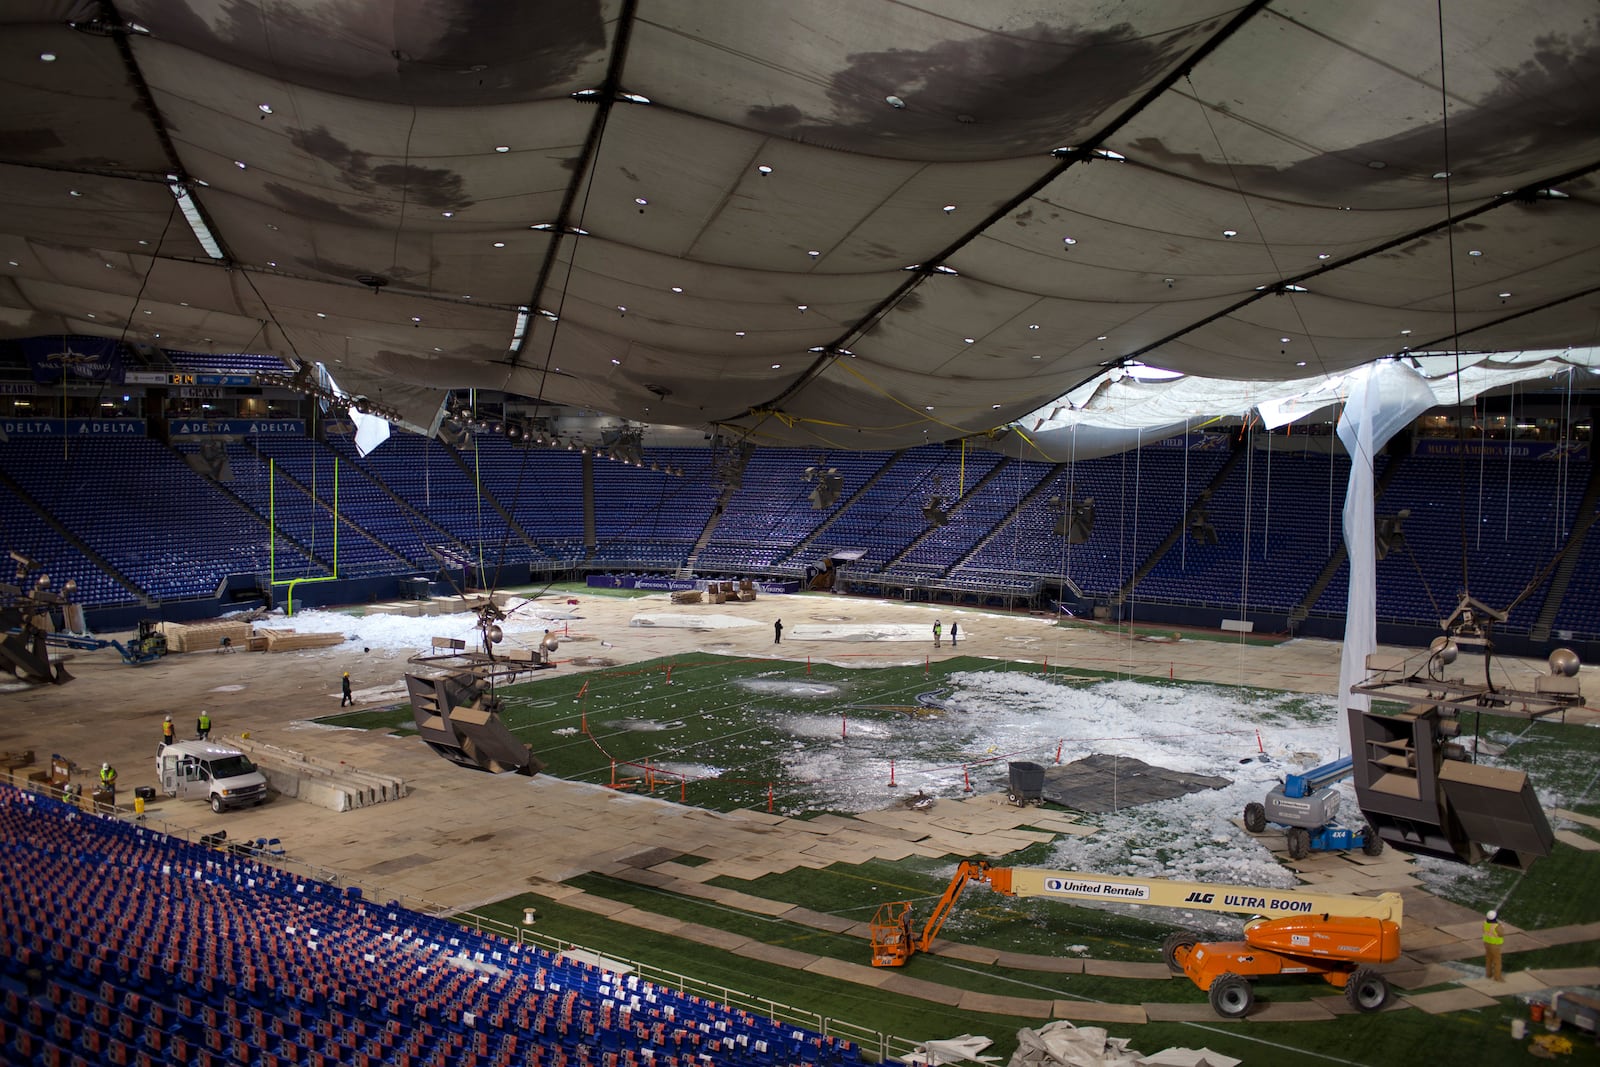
column 1307, row 805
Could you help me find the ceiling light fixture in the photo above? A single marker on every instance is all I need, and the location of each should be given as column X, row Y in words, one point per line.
column 265, row 109
column 677, row 288
column 894, row 102
column 502, row 148
column 1106, row 153
column 633, row 98
column 1475, row 252
column 641, row 201
column 763, row 170
column 499, row 244
column 239, row 163
column 1230, row 234
column 949, row 209
column 814, row 253
column 191, row 215
column 1322, row 255
column 1069, row 241
column 47, row 57
column 519, row 329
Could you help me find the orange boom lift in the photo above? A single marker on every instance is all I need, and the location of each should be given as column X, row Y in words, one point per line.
column 1331, row 935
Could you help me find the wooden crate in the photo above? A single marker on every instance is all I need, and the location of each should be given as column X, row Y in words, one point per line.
column 204, row 636
column 290, row 641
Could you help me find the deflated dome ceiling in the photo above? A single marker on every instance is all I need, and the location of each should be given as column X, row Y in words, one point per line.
column 851, row 223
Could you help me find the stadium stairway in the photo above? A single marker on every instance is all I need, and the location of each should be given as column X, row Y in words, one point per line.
column 283, row 472
column 1182, row 527
column 955, row 505
column 76, row 542
column 335, row 786
column 494, row 501
column 1571, row 552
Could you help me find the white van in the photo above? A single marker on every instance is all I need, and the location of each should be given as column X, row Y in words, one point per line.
column 200, row 770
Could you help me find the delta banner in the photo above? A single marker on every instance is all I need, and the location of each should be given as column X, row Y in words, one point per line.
column 237, row 427
column 1550, row 451
column 72, row 427
column 78, row 359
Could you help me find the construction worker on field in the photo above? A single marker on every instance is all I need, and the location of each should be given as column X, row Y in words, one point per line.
column 1493, row 938
column 202, row 725
column 108, row 780
column 169, row 733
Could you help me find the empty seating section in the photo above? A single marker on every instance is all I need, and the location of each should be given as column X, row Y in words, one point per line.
column 1277, row 519
column 27, row 533
column 138, row 505
column 424, row 474
column 1508, row 520
column 230, row 363
column 542, row 488
column 887, row 516
column 1138, row 499
column 1580, row 608
column 974, row 514
column 1276, row 507
column 360, row 499
column 123, row 946
column 771, row 511
column 649, row 519
column 266, row 482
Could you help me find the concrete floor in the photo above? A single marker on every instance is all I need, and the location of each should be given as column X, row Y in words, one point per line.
column 462, row 838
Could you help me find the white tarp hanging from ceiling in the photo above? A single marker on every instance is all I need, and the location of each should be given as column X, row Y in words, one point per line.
column 1118, row 408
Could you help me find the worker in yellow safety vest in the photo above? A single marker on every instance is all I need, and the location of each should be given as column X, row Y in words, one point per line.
column 108, row 780
column 202, row 725
column 1493, row 938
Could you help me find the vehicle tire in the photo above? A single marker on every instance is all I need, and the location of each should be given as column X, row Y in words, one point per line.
column 1255, row 817
column 1299, row 842
column 216, row 804
column 1371, row 843
column 1179, row 941
column 1367, row 990
column 1231, row 996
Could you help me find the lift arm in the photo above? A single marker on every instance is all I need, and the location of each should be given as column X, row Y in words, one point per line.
column 1303, row 785
column 893, row 942
column 1079, row 886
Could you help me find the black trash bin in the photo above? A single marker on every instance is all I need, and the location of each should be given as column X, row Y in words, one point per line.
column 1027, row 783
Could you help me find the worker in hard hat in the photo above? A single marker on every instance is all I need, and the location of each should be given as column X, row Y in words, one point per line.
column 1493, row 939
column 108, row 782
column 347, row 700
column 169, row 732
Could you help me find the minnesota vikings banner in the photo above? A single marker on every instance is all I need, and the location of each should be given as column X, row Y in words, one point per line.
column 83, row 359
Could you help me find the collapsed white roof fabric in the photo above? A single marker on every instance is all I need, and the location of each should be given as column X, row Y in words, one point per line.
column 709, row 208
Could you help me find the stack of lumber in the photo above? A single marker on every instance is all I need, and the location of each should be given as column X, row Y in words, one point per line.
column 289, row 641
column 204, row 636
column 686, row 596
